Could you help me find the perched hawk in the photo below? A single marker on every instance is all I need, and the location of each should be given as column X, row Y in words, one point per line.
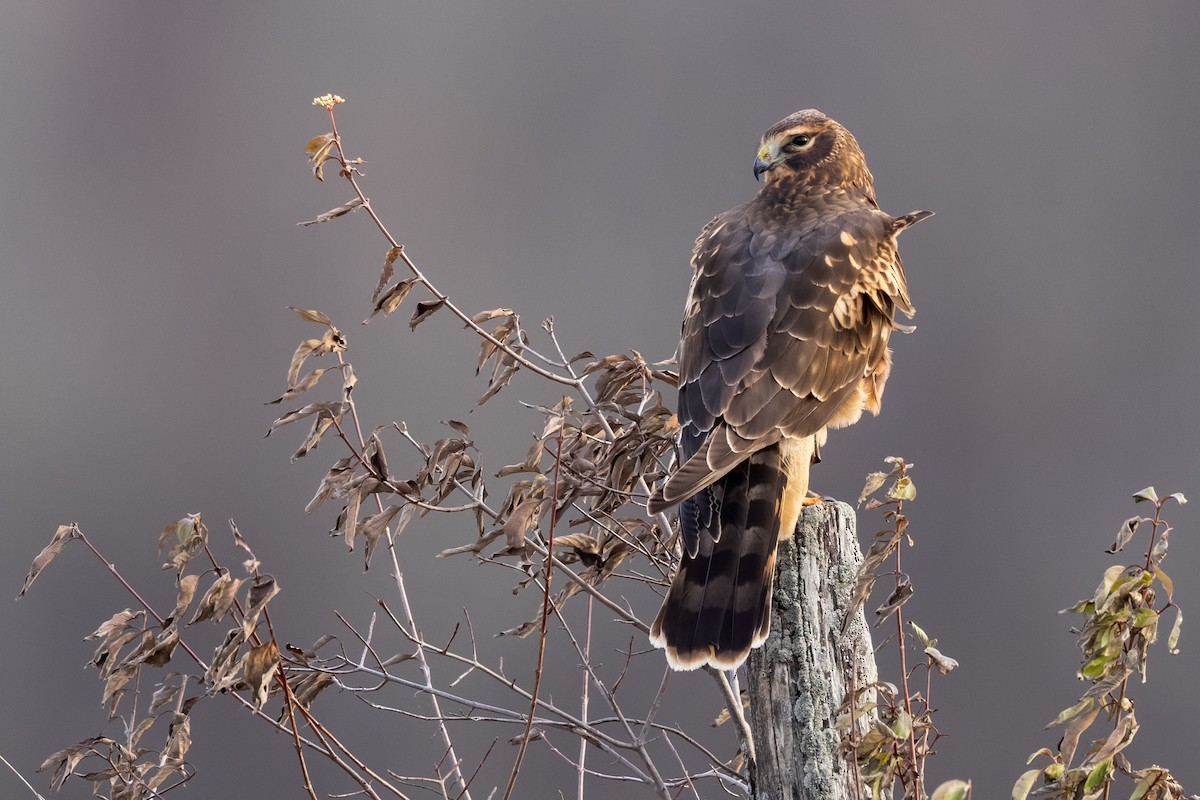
column 785, row 334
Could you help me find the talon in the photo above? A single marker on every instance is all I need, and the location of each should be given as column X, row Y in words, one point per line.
column 812, row 501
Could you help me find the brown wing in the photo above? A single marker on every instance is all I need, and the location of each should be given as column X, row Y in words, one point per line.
column 784, row 320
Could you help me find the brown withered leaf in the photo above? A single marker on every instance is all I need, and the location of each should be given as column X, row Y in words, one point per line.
column 945, row 664
column 319, row 150
column 461, row 427
column 332, row 341
column 488, row 348
column 309, row 687
column 302, row 386
column 179, row 741
column 312, row 315
column 425, row 308
column 333, row 484
column 390, row 300
column 183, row 599
column 349, row 379
column 532, row 462
column 260, row 594
column 484, row 316
column 347, row 521
column 389, row 269
column 874, row 481
column 164, row 696
column 334, row 213
column 372, row 527
column 240, row 542
column 522, row 630
column 117, row 623
column 329, row 408
column 303, row 350
column 897, row 598
column 218, row 599
column 519, row 521
column 260, row 665
column 43, row 559
column 572, row 547
column 223, row 669
column 164, row 647
column 65, row 761
column 1128, row 529
column 320, row 427
column 500, row 378
column 374, row 455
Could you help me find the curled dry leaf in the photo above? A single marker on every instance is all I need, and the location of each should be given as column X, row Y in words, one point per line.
column 334, row 213
column 260, row 665
column 218, row 599
column 319, row 150
column 519, row 521
column 945, row 664
column 302, row 386
column 390, row 300
column 333, row 484
column 312, row 315
column 389, row 269
column 425, row 309
column 43, row 559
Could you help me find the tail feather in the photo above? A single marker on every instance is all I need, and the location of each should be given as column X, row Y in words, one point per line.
column 718, row 606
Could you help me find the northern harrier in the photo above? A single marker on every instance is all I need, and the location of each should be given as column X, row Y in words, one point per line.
column 785, row 335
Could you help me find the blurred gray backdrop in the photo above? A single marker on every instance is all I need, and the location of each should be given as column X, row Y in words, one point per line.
column 559, row 158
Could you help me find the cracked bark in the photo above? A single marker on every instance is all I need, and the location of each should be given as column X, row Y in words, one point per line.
column 800, row 676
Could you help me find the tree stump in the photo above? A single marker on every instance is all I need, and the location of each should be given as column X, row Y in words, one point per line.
column 800, row 676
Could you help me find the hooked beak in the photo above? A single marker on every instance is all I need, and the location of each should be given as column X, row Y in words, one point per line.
column 760, row 166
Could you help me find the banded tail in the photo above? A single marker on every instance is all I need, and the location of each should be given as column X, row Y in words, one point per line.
column 719, row 603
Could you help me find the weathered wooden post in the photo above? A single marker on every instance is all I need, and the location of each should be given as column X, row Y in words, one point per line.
column 798, row 679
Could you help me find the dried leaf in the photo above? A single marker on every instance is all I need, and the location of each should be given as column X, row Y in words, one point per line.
column 309, row 315
column 1075, row 728
column 165, row 694
column 217, row 600
column 334, row 483
column 373, row 527
column 484, row 316
column 43, row 559
column 302, row 386
column 896, row 599
column 187, row 590
column 179, row 741
column 319, row 150
column 874, row 481
column 461, row 427
column 945, row 664
column 520, row 521
column 389, row 269
column 522, row 630
column 312, row 685
column 390, row 300
column 1128, row 529
column 334, row 213
column 425, row 308
column 260, row 665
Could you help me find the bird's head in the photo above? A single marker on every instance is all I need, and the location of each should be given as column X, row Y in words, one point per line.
column 812, row 149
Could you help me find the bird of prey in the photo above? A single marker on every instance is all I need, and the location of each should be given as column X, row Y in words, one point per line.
column 785, row 335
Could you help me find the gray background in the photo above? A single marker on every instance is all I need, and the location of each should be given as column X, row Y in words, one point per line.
column 560, row 158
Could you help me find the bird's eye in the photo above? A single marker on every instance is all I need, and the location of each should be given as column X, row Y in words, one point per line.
column 800, row 141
